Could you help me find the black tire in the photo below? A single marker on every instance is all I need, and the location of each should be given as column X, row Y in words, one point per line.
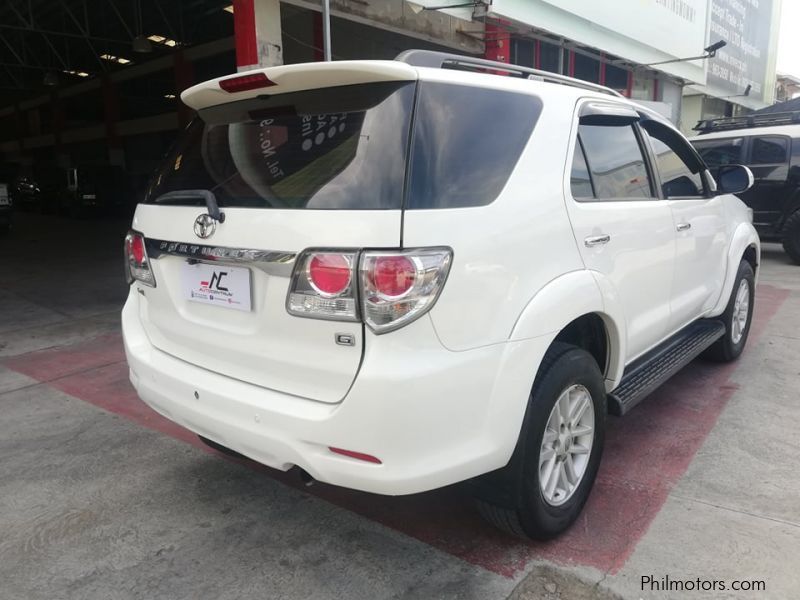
column 726, row 349
column 791, row 236
column 511, row 498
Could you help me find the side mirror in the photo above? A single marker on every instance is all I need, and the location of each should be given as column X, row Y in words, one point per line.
column 734, row 179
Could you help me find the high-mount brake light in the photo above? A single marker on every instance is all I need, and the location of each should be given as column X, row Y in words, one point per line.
column 393, row 287
column 137, row 264
column 242, row 83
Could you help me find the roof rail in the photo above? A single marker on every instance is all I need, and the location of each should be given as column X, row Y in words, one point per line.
column 744, row 122
column 443, row 60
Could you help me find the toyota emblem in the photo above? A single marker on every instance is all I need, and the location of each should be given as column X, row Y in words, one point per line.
column 204, row 226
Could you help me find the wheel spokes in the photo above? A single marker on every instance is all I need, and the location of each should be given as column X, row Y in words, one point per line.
column 566, row 444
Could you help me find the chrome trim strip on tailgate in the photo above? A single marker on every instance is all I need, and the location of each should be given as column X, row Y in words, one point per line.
column 274, row 262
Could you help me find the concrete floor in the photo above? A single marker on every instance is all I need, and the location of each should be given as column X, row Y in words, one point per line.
column 101, row 498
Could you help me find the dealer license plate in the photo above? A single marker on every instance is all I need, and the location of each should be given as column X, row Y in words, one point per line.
column 220, row 285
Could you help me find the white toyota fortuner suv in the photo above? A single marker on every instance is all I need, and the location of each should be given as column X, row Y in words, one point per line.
column 399, row 275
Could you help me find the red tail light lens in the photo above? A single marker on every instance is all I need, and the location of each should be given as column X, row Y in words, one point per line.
column 398, row 287
column 393, row 276
column 137, row 249
column 329, row 274
column 243, row 83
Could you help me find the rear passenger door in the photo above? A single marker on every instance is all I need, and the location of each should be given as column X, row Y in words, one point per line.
column 699, row 219
column 624, row 232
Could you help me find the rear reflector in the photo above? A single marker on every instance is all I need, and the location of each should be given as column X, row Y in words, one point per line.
column 356, row 455
column 242, row 83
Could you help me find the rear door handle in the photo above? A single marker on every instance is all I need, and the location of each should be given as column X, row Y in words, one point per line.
column 596, row 240
column 684, row 226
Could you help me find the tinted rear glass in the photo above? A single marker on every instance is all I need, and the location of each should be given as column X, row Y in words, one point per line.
column 332, row 148
column 769, row 151
column 467, row 141
column 716, row 153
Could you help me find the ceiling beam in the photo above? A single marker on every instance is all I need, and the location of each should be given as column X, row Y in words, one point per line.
column 85, row 34
column 67, row 34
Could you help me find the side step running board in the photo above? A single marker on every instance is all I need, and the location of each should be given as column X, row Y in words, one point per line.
column 651, row 370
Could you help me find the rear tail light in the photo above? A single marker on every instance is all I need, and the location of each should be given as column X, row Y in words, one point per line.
column 137, row 265
column 323, row 286
column 399, row 287
column 387, row 289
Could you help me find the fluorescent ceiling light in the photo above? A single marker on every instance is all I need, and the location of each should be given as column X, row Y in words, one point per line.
column 164, row 41
column 117, row 59
column 76, row 73
column 228, row 9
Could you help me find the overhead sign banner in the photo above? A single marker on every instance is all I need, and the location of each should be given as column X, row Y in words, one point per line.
column 642, row 31
column 746, row 26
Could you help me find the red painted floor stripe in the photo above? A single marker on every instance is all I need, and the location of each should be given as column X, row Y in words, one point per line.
column 646, row 453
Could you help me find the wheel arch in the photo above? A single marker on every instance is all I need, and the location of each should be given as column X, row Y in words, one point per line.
column 745, row 245
column 576, row 308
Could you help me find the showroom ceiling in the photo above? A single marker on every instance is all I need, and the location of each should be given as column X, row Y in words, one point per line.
column 44, row 43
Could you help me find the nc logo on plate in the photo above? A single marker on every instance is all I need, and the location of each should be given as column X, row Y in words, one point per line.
column 204, row 226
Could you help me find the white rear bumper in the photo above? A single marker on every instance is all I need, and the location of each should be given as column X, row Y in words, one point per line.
column 433, row 417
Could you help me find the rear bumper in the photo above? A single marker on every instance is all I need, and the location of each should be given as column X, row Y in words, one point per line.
column 432, row 416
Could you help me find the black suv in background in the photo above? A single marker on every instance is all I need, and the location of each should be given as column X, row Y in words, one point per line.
column 770, row 145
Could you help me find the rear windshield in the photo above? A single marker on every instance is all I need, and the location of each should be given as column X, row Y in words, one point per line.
column 332, row 148
column 347, row 148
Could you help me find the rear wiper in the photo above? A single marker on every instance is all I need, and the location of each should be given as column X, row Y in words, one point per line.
column 211, row 201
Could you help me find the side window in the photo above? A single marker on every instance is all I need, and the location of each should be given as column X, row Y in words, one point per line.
column 676, row 162
column 615, row 161
column 716, row 153
column 769, row 151
column 579, row 180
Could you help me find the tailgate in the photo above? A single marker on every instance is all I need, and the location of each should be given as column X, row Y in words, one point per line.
column 264, row 345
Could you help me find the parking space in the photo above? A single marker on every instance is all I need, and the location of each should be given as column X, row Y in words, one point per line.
column 102, row 498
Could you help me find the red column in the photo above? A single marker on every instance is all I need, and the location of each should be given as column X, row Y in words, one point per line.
column 57, row 123
column 184, row 78
column 537, row 58
column 19, row 123
column 629, row 87
column 111, row 111
column 571, row 65
column 602, row 75
column 498, row 42
column 244, row 31
column 319, row 52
